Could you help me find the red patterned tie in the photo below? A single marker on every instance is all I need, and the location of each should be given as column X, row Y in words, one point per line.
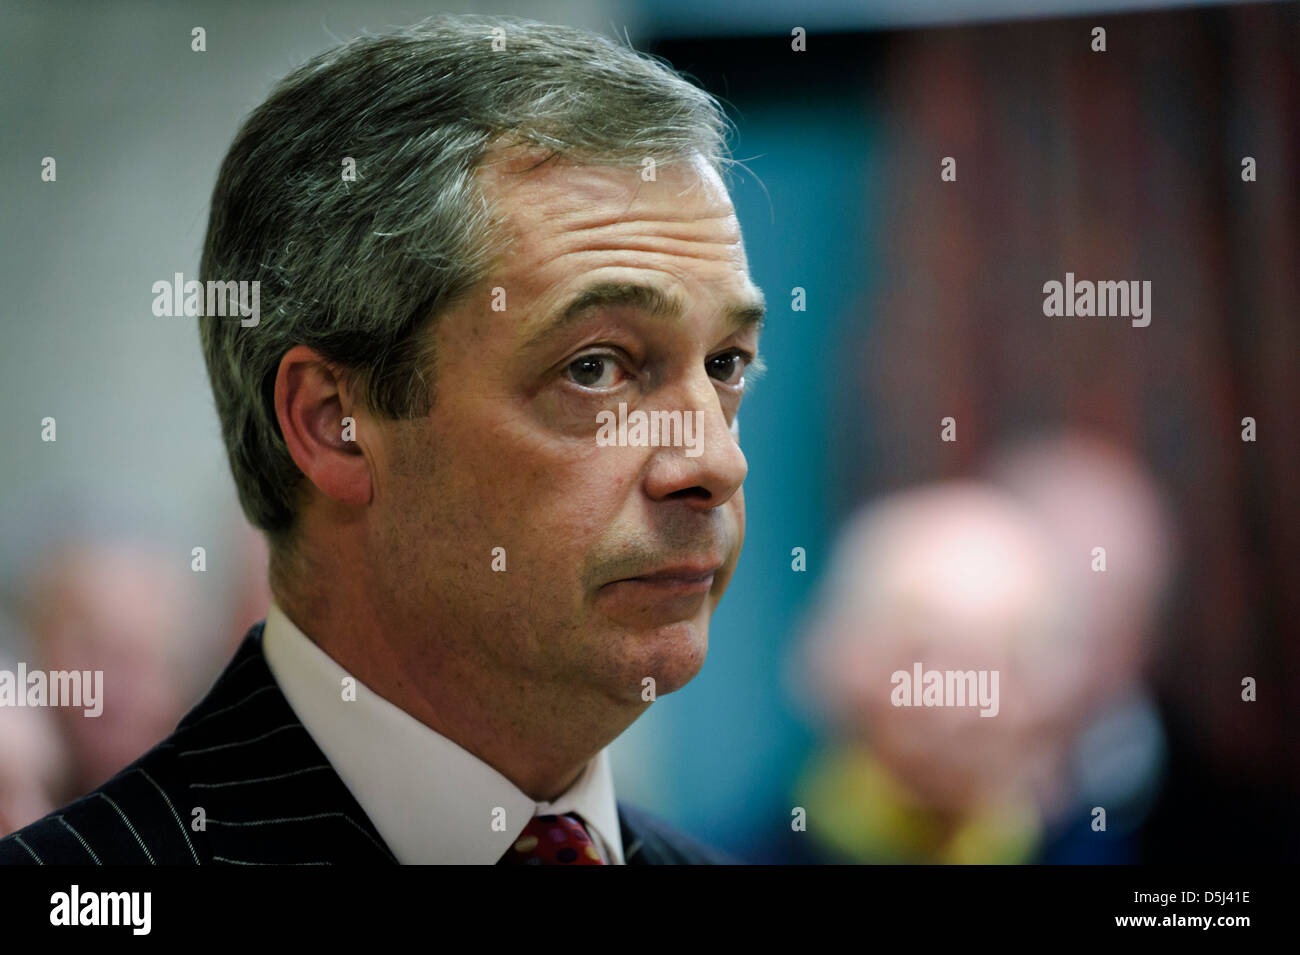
column 553, row 840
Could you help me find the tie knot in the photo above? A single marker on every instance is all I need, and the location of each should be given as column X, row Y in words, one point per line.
column 553, row 840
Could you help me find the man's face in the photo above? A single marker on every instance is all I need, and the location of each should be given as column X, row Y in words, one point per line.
column 509, row 458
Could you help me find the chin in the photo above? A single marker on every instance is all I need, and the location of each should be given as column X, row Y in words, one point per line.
column 672, row 654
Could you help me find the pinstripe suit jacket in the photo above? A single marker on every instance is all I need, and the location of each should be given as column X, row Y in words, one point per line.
column 267, row 795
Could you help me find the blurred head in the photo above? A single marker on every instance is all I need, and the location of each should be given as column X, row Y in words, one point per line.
column 973, row 575
column 954, row 576
column 538, row 233
column 1088, row 493
column 127, row 611
column 33, row 764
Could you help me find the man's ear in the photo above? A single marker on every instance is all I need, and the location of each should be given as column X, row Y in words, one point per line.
column 311, row 401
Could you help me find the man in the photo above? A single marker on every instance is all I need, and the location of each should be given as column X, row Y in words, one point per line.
column 477, row 242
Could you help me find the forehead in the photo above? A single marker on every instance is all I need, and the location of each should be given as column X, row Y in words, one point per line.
column 515, row 175
column 563, row 217
column 586, row 238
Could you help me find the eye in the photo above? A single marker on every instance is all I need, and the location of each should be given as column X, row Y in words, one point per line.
column 729, row 368
column 596, row 371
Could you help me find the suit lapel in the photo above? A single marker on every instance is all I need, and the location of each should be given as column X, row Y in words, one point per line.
column 264, row 790
column 637, row 848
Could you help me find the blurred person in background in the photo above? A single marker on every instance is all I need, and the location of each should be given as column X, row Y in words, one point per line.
column 33, row 763
column 126, row 603
column 125, row 609
column 991, row 575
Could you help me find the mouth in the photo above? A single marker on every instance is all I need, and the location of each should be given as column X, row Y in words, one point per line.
column 675, row 583
column 661, row 596
column 685, row 577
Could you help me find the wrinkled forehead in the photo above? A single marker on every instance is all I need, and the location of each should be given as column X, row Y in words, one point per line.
column 523, row 182
column 568, row 225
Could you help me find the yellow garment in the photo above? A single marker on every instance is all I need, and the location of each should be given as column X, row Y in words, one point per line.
column 856, row 807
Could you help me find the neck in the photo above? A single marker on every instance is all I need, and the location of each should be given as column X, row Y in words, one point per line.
column 537, row 731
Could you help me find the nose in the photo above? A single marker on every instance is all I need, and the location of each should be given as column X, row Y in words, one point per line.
column 708, row 467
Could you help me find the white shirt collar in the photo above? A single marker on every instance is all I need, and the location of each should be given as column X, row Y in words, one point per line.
column 431, row 800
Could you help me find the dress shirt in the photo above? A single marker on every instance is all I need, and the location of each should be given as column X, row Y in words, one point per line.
column 431, row 800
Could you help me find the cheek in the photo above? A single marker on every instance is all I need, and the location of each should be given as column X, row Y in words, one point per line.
column 493, row 477
column 571, row 506
column 556, row 477
column 543, row 503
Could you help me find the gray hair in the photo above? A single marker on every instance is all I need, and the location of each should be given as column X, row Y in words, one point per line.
column 359, row 270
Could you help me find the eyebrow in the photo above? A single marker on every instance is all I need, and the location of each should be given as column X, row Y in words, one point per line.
column 741, row 316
